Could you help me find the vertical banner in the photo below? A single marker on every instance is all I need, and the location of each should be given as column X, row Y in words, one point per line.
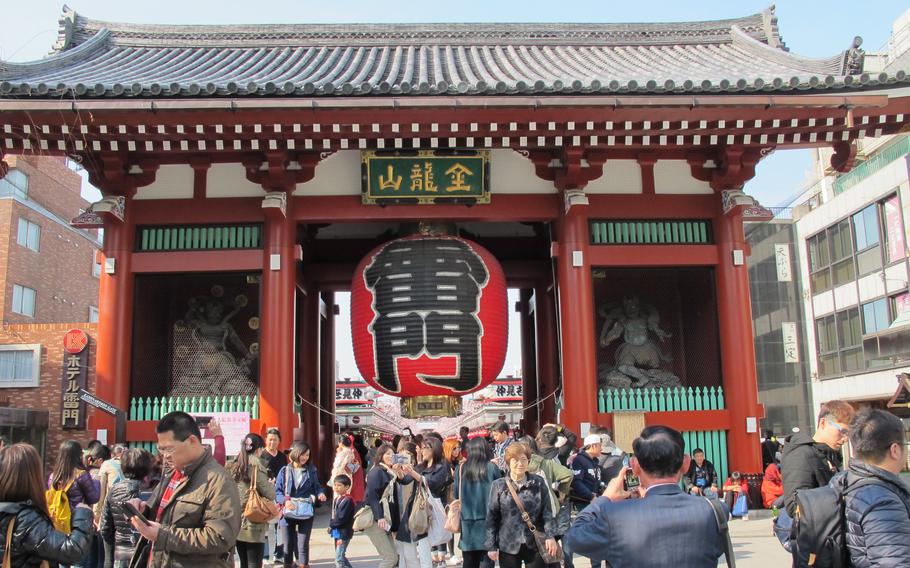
column 791, row 343
column 782, row 259
column 75, row 371
column 895, row 229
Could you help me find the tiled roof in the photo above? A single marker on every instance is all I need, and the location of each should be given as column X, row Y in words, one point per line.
column 102, row 59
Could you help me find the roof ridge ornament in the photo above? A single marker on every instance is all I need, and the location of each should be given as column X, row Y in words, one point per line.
column 65, row 33
column 854, row 58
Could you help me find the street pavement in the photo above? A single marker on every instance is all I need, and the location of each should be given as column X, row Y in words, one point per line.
column 753, row 543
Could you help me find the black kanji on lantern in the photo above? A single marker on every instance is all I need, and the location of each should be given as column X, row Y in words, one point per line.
column 426, row 295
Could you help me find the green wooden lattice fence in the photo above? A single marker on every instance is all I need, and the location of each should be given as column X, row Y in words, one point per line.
column 714, row 443
column 651, row 232
column 199, row 237
column 661, row 399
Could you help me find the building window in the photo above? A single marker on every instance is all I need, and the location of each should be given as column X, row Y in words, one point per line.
column 23, row 300
column 899, row 303
column 826, row 338
column 92, row 314
column 819, row 262
column 29, row 234
column 866, row 235
column 20, row 365
column 96, row 266
column 15, row 183
column 875, row 316
column 850, row 340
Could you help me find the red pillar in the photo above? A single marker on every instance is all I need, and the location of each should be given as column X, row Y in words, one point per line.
column 736, row 344
column 115, row 321
column 547, row 360
column 327, row 382
column 576, row 319
column 528, row 364
column 276, row 367
column 308, row 384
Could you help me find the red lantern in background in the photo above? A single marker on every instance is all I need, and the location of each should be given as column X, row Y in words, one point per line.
column 429, row 319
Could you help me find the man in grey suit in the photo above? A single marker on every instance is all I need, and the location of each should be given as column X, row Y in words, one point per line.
column 664, row 528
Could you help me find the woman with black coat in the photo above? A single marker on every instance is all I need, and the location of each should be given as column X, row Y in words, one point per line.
column 120, row 538
column 33, row 538
column 437, row 473
column 381, row 532
column 509, row 540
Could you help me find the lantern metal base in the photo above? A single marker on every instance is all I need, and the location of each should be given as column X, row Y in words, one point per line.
column 431, row 405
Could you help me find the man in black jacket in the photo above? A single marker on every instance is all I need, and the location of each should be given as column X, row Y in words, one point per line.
column 807, row 462
column 586, row 480
column 701, row 479
column 878, row 502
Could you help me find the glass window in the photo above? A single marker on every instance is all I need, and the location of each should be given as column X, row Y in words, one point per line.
column 20, row 365
column 29, row 234
column 15, row 183
column 826, row 338
column 869, row 260
column 843, row 271
column 841, row 240
column 894, row 229
column 92, row 314
column 23, row 300
column 96, row 267
column 899, row 303
column 818, row 252
column 849, row 328
column 875, row 316
column 865, row 227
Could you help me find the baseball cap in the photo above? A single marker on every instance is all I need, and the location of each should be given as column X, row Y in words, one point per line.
column 592, row 439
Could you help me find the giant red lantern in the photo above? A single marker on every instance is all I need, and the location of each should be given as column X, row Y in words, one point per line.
column 429, row 320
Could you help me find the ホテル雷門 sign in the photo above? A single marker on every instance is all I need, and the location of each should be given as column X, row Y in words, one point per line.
column 426, row 176
column 75, row 371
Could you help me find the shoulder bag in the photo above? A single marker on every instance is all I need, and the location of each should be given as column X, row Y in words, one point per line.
column 419, row 519
column 8, row 551
column 363, row 518
column 258, row 509
column 539, row 538
column 720, row 515
column 297, row 508
column 453, row 514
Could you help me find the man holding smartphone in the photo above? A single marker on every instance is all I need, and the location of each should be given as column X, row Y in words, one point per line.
column 194, row 514
column 666, row 528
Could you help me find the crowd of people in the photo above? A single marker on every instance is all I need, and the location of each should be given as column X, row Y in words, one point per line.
column 513, row 500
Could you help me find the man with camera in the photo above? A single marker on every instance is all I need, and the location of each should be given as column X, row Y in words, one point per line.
column 664, row 527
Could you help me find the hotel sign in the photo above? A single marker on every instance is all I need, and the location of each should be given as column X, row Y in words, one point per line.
column 425, row 177
column 75, row 371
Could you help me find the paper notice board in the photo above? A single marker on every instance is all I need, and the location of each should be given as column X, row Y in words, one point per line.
column 234, row 425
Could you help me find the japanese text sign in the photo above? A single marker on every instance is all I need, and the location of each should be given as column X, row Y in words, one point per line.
column 425, row 177
column 75, row 371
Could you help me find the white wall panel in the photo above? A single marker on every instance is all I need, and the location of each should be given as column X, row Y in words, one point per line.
column 675, row 176
column 171, row 182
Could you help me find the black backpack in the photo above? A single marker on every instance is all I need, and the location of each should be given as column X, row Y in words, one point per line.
column 819, row 537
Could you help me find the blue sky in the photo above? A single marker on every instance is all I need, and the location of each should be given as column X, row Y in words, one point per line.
column 810, row 28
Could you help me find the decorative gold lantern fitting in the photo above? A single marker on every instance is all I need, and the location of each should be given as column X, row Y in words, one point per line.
column 431, row 405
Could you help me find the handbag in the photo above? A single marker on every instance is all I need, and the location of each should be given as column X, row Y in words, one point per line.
column 740, row 507
column 419, row 519
column 301, row 508
column 258, row 509
column 437, row 533
column 540, row 539
column 364, row 518
column 453, row 515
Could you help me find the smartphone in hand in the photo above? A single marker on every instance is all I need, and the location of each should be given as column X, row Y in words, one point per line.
column 131, row 511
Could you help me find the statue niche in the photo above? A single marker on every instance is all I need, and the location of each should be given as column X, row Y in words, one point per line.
column 638, row 359
column 209, row 356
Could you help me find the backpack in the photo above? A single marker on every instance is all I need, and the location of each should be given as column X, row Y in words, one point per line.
column 819, row 534
column 58, row 506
